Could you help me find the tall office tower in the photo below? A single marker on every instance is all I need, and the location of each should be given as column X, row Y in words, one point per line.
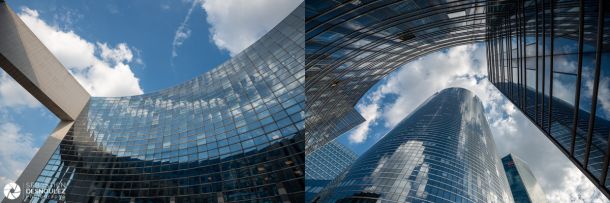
column 232, row 134
column 324, row 165
column 556, row 69
column 523, row 184
column 558, row 49
column 442, row 152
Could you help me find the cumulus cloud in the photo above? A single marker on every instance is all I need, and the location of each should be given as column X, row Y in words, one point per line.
column 369, row 112
column 580, row 190
column 236, row 24
column 12, row 95
column 13, row 157
column 103, row 70
column 465, row 66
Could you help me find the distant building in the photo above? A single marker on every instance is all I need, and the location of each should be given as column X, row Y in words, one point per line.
column 442, row 152
column 522, row 182
column 324, row 165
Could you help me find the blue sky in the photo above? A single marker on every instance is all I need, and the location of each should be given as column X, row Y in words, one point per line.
column 120, row 48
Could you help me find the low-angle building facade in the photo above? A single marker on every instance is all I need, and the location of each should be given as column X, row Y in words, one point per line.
column 442, row 152
column 523, row 184
column 232, row 134
column 559, row 50
column 324, row 165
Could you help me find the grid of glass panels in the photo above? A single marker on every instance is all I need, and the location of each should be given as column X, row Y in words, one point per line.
column 559, row 49
column 324, row 165
column 442, row 152
column 523, row 184
column 351, row 45
column 552, row 60
column 233, row 134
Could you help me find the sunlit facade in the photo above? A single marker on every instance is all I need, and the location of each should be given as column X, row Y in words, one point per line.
column 523, row 184
column 442, row 152
column 232, row 134
column 324, row 165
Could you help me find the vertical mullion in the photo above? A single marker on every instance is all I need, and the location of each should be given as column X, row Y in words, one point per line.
column 551, row 68
column 598, row 58
column 488, row 61
column 524, row 71
column 581, row 33
column 543, row 63
column 509, row 54
column 519, row 44
column 537, row 59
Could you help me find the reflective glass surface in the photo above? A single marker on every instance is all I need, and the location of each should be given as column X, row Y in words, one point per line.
column 233, row 134
column 559, row 49
column 552, row 60
column 442, row 152
column 324, row 165
column 523, row 184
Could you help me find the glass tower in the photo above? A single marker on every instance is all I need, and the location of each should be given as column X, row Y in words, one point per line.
column 442, row 152
column 522, row 182
column 324, row 165
column 559, row 50
column 555, row 67
column 232, row 134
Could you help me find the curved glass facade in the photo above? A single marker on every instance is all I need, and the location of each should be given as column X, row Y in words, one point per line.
column 232, row 134
column 442, row 152
column 559, row 49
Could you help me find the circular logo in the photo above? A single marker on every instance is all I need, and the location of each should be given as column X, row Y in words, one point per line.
column 12, row 191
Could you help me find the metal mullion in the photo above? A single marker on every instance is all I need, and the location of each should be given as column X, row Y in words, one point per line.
column 543, row 63
column 488, row 61
column 581, row 33
column 537, row 76
column 598, row 57
column 509, row 57
column 551, row 68
column 524, row 45
column 500, row 55
column 518, row 52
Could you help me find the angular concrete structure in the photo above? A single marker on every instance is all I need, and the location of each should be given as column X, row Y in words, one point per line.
column 33, row 66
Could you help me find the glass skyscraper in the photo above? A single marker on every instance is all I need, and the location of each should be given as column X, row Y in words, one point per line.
column 559, row 50
column 442, row 152
column 523, row 184
column 324, row 165
column 232, row 134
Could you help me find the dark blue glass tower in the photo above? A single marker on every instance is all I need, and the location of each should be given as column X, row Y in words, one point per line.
column 523, row 184
column 442, row 152
column 324, row 165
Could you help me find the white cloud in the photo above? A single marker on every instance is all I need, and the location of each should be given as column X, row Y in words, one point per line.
column 14, row 95
column 369, row 113
column 183, row 32
column 101, row 69
column 465, row 66
column 121, row 53
column 12, row 153
column 236, row 24
column 579, row 190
